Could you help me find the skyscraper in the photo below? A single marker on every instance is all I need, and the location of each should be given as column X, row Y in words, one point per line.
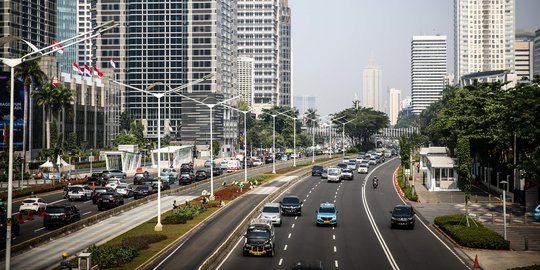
column 84, row 24
column 536, row 53
column 66, row 28
column 524, row 56
column 394, row 105
column 372, row 86
column 285, row 89
column 428, row 70
column 245, row 74
column 259, row 38
column 484, row 36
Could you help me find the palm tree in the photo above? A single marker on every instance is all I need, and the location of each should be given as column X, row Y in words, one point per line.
column 50, row 97
column 32, row 76
column 311, row 117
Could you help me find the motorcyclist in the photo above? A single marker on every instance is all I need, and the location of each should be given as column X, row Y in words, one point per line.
column 375, row 182
column 64, row 264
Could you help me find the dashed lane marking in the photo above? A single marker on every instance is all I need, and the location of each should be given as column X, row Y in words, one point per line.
column 292, row 226
column 87, row 213
column 335, row 249
column 280, row 261
column 37, row 230
column 289, row 235
column 333, row 237
column 285, row 248
column 336, row 263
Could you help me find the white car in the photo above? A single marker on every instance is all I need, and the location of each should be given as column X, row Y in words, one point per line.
column 272, row 212
column 257, row 162
column 363, row 168
column 32, row 204
column 113, row 183
column 125, row 190
column 334, row 174
column 80, row 192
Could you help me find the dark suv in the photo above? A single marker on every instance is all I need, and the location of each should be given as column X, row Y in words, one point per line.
column 60, row 215
column 142, row 191
column 142, row 178
column 98, row 191
column 259, row 238
column 109, row 200
column 291, row 205
column 96, row 179
column 402, row 215
column 316, row 170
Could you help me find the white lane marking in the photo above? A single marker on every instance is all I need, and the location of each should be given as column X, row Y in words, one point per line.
column 333, row 237
column 426, row 226
column 309, row 192
column 289, row 235
column 292, row 225
column 335, row 263
column 375, row 228
column 285, row 248
column 334, row 201
column 58, row 201
column 333, row 228
column 307, row 196
column 304, row 200
column 87, row 213
column 88, row 201
column 37, row 230
column 295, row 218
column 219, row 266
column 280, row 261
column 335, row 249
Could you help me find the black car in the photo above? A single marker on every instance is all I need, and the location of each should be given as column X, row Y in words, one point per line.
column 291, row 205
column 342, row 166
column 142, row 191
column 268, row 159
column 186, row 167
column 98, row 191
column 316, row 170
column 217, row 171
column 402, row 215
column 201, row 175
column 96, row 179
column 109, row 200
column 142, row 178
column 60, row 215
column 15, row 227
column 185, row 178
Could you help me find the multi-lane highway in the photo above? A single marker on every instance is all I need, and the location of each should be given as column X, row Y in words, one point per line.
column 363, row 237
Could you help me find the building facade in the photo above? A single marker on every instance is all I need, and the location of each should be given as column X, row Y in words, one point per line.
column 394, row 105
column 285, row 50
column 428, row 70
column 245, row 78
column 258, row 37
column 66, row 28
column 372, row 80
column 84, row 24
column 484, row 34
column 536, row 53
column 524, row 50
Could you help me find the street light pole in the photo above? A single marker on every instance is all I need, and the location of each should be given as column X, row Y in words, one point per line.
column 504, row 208
column 274, row 145
column 12, row 63
column 245, row 137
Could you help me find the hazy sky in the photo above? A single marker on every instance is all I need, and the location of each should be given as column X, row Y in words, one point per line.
column 333, row 42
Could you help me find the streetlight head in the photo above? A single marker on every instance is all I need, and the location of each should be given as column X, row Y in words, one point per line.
column 504, row 182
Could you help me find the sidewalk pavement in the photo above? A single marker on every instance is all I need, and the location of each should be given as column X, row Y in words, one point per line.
column 486, row 209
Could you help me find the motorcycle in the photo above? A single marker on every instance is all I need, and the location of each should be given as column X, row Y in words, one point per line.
column 375, row 183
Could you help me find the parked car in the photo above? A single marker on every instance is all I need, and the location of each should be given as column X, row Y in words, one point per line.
column 316, row 170
column 201, row 175
column 141, row 178
column 109, row 200
column 363, row 168
column 259, row 238
column 125, row 190
column 185, row 178
column 324, row 174
column 98, row 191
column 327, row 214
column 347, row 174
column 96, row 179
column 113, row 173
column 142, row 191
column 32, row 204
column 79, row 192
column 402, row 215
column 268, row 160
column 272, row 212
column 60, row 215
column 291, row 205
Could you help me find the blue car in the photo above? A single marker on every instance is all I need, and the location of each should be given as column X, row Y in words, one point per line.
column 537, row 212
column 327, row 214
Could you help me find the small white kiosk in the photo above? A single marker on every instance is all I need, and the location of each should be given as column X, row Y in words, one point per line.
column 127, row 158
column 172, row 156
column 441, row 174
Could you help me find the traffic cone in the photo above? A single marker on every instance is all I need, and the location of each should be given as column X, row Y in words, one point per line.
column 20, row 219
column 476, row 265
column 29, row 216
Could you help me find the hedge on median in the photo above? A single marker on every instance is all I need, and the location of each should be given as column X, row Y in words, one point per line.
column 181, row 214
column 474, row 236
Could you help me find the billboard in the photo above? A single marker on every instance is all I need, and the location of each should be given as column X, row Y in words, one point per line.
column 18, row 108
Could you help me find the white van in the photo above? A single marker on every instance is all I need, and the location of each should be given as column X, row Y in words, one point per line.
column 233, row 165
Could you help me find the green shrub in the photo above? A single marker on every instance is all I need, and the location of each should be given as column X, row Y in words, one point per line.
column 473, row 236
column 182, row 214
column 112, row 256
column 257, row 179
column 141, row 242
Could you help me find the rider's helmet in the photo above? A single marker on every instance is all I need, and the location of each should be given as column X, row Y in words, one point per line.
column 64, row 254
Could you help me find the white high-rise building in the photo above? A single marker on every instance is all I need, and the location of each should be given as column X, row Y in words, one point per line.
column 394, row 105
column 484, row 36
column 259, row 38
column 245, row 80
column 84, row 24
column 428, row 70
column 372, row 87
column 524, row 56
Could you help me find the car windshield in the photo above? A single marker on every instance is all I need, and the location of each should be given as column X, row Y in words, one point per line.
column 258, row 234
column 327, row 210
column 333, row 171
column 29, row 201
column 106, row 195
column 141, row 188
column 402, row 210
column 291, row 200
column 270, row 209
column 317, row 167
column 55, row 209
column 76, row 188
column 363, row 165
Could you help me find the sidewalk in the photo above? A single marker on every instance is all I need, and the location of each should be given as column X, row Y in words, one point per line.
column 486, row 209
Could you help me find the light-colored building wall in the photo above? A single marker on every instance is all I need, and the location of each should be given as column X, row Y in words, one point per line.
column 524, row 56
column 394, row 105
column 246, row 78
column 372, row 76
column 536, row 53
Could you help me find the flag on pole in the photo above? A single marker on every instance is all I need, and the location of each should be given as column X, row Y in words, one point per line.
column 87, row 70
column 58, row 46
column 4, row 133
column 98, row 72
column 112, row 63
column 55, row 81
column 77, row 68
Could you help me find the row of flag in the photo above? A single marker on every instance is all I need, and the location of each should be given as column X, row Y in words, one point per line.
column 87, row 70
